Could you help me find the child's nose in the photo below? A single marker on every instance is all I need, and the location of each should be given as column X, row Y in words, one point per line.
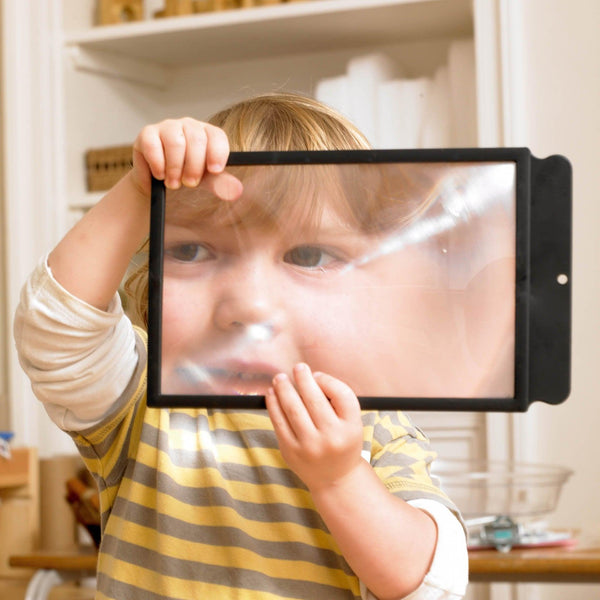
column 250, row 302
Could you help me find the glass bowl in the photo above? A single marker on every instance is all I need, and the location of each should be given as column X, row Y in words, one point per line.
column 484, row 488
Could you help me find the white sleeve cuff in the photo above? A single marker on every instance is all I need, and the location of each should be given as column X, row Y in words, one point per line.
column 448, row 575
column 79, row 358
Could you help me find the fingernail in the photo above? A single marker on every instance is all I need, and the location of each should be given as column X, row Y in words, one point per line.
column 215, row 167
column 190, row 181
column 279, row 377
column 173, row 184
column 301, row 367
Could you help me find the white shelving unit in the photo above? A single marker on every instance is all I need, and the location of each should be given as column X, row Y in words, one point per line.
column 100, row 85
column 117, row 78
column 285, row 29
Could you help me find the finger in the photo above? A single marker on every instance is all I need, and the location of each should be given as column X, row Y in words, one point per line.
column 174, row 146
column 280, row 423
column 217, row 150
column 292, row 406
column 207, row 150
column 196, row 140
column 316, row 402
column 224, row 185
column 149, row 149
column 343, row 400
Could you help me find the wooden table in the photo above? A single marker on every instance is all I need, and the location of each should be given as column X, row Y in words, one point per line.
column 19, row 505
column 577, row 564
column 61, row 561
column 54, row 568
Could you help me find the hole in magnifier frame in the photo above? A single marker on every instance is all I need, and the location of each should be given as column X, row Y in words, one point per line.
column 562, row 279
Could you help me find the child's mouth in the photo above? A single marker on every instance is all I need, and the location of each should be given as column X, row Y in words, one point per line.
column 201, row 379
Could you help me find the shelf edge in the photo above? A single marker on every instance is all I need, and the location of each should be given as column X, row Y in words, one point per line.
column 105, row 63
column 102, row 33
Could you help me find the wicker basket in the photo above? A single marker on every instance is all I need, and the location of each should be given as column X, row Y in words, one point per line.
column 105, row 166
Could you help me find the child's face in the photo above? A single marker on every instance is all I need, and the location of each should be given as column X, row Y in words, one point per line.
column 242, row 303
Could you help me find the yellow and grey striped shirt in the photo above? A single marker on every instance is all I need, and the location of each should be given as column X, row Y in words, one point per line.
column 199, row 503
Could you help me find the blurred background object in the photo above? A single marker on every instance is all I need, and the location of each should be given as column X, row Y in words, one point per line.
column 503, row 503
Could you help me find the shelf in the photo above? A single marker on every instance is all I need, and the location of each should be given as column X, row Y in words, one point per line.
column 13, row 480
column 150, row 52
column 277, row 30
column 16, row 471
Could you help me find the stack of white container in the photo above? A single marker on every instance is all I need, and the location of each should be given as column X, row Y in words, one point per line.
column 400, row 112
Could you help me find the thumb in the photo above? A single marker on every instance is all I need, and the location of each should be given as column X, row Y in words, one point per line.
column 223, row 185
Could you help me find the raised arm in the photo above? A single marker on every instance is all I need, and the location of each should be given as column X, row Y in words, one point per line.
column 92, row 258
column 388, row 543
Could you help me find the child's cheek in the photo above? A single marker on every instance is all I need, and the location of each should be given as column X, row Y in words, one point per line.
column 326, row 330
column 175, row 303
column 179, row 315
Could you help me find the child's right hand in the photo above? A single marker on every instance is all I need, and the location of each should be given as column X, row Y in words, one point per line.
column 180, row 152
column 184, row 152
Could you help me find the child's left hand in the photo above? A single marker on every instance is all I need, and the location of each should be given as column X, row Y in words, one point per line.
column 318, row 425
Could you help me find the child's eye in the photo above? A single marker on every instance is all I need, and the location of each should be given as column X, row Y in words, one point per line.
column 309, row 257
column 189, row 253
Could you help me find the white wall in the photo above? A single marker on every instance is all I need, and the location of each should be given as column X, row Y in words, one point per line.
column 4, row 412
column 561, row 114
column 32, row 135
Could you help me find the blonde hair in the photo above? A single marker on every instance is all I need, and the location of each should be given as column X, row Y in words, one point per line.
column 270, row 122
column 286, row 121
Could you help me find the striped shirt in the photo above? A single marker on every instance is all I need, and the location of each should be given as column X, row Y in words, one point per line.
column 199, row 503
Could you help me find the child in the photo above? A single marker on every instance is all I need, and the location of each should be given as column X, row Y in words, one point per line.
column 227, row 504
column 354, row 269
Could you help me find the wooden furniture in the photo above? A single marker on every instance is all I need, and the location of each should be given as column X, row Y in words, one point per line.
column 176, row 8
column 54, row 568
column 548, row 565
column 111, row 12
column 61, row 561
column 540, row 565
column 19, row 506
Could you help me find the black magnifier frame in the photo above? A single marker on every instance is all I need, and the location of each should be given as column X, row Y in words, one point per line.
column 542, row 290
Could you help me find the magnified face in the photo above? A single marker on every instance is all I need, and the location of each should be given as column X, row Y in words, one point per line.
column 397, row 278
